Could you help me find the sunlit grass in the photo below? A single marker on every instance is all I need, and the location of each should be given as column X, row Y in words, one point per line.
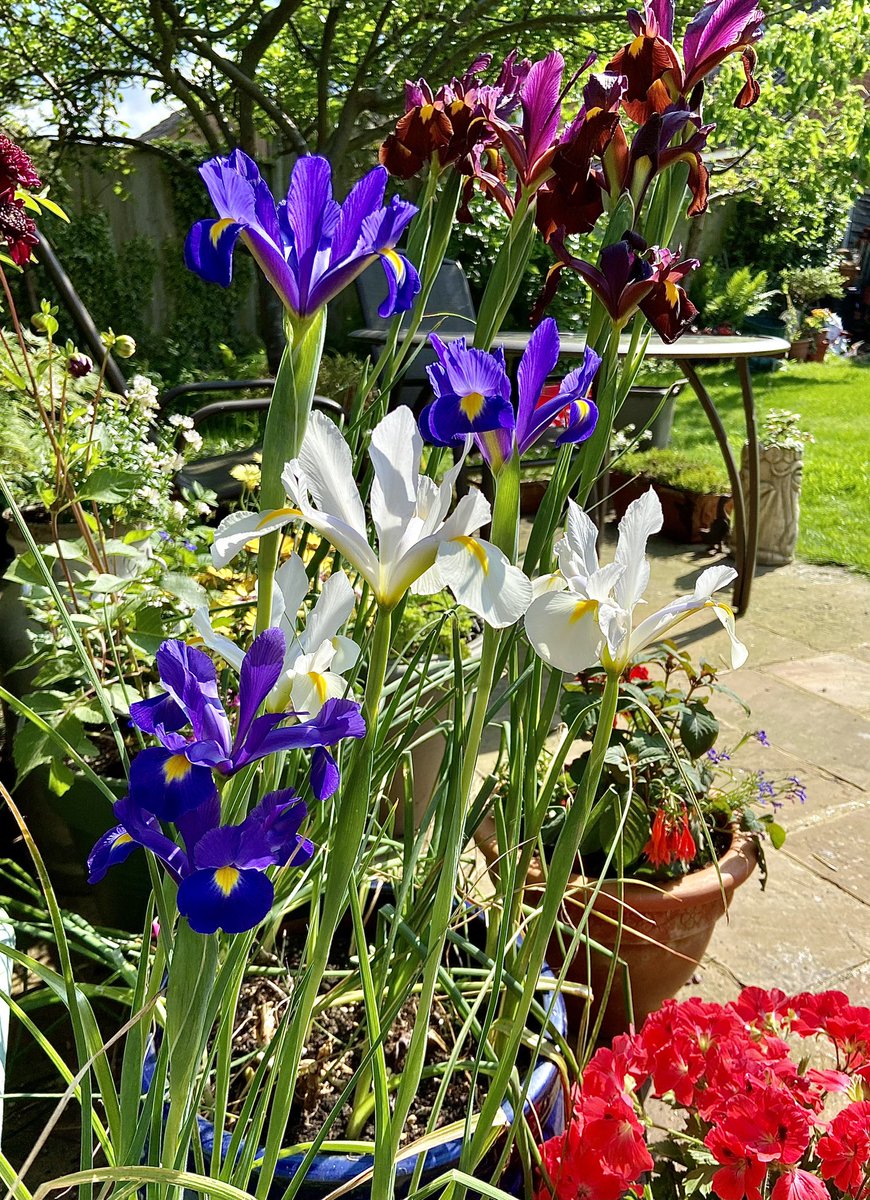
column 833, row 399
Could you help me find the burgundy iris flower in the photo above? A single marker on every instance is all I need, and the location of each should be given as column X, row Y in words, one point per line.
column 309, row 246
column 631, row 276
column 656, row 77
column 176, row 776
column 473, row 397
column 221, row 869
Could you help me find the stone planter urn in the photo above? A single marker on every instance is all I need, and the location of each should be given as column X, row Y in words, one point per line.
column 779, row 507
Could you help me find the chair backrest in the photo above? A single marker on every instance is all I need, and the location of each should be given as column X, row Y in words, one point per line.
column 449, row 306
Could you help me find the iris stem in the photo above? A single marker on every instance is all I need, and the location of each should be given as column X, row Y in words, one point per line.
column 286, row 422
column 347, row 834
column 531, row 955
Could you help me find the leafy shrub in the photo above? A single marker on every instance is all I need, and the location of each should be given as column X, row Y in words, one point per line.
column 729, row 298
column 675, row 468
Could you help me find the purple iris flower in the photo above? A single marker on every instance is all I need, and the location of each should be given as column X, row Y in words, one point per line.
column 221, row 870
column 176, row 776
column 473, row 397
column 309, row 246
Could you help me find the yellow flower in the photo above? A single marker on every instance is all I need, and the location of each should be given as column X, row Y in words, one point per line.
column 248, row 475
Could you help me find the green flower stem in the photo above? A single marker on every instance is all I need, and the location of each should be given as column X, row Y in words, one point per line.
column 346, row 838
column 506, row 275
column 531, row 956
column 285, row 428
column 191, row 979
column 505, row 523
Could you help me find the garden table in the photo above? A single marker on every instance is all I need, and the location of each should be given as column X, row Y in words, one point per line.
column 689, row 352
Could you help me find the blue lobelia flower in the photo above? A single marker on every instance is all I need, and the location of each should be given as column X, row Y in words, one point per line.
column 473, row 397
column 309, row 246
column 176, row 776
column 221, row 871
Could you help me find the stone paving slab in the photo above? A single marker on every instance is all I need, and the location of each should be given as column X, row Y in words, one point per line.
column 837, row 852
column 840, row 678
column 799, row 934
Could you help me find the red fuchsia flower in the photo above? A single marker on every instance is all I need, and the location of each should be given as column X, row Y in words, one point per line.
column 16, row 170
column 655, row 76
column 844, row 1149
column 797, row 1184
column 670, row 840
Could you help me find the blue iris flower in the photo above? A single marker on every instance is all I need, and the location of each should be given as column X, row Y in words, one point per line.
column 220, row 872
column 309, row 246
column 177, row 776
column 473, row 397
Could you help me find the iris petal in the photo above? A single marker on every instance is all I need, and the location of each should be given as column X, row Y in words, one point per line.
column 225, row 898
column 208, row 250
column 167, row 787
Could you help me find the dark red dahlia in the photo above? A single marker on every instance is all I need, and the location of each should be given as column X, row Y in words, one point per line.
column 16, row 169
column 17, row 230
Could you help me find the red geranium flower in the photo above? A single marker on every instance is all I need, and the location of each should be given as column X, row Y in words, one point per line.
column 845, row 1148
column 799, row 1185
column 757, row 1004
column 769, row 1124
column 740, row 1175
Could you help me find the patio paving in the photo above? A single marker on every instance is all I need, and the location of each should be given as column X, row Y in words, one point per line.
column 807, row 681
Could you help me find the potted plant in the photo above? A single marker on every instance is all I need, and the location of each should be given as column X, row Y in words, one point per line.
column 688, row 824
column 727, row 299
column 806, row 288
column 760, row 1097
column 814, row 328
column 695, row 495
column 781, row 449
column 256, row 741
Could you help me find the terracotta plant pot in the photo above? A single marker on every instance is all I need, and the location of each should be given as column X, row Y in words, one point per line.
column 665, row 931
column 819, row 348
column 686, row 516
column 800, row 349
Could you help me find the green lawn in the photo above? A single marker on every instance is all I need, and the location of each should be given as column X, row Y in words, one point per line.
column 833, row 399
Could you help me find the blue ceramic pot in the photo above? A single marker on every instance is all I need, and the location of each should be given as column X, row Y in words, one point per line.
column 330, row 1170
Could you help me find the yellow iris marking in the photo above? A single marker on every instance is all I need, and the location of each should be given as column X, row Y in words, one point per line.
column 472, row 405
column 319, row 685
column 672, row 294
column 474, row 547
column 277, row 512
column 636, row 46
column 720, row 604
column 427, row 112
column 219, row 228
column 593, row 112
column 581, row 608
column 226, row 878
column 395, row 261
column 175, row 768
column 121, row 840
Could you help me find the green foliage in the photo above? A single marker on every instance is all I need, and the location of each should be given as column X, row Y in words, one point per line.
column 729, row 297
column 832, row 400
column 807, row 287
column 808, row 137
column 677, row 469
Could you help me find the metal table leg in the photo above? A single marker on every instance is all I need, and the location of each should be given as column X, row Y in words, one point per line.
column 744, row 581
column 740, row 524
